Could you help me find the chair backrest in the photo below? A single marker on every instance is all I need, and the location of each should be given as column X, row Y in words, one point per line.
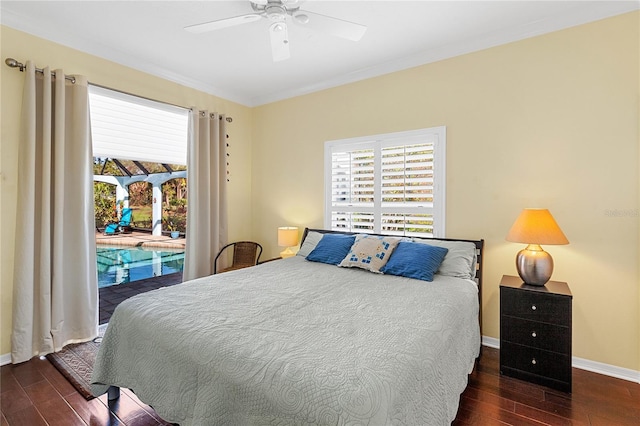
column 245, row 253
column 125, row 219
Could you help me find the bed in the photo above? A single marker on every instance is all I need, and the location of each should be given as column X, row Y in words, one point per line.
column 299, row 341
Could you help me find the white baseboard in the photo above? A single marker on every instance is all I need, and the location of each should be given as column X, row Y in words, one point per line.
column 5, row 359
column 585, row 364
column 491, row 342
column 606, row 369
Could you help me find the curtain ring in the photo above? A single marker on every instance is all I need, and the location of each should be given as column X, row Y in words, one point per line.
column 202, row 114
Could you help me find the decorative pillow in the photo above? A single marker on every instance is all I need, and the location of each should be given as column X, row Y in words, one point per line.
column 310, row 242
column 332, row 248
column 413, row 260
column 370, row 252
column 459, row 262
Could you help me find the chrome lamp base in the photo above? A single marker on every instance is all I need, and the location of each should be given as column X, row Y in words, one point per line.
column 534, row 265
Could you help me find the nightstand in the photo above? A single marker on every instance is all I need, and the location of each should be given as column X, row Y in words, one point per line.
column 535, row 332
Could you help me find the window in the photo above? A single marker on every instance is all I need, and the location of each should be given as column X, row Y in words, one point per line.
column 391, row 183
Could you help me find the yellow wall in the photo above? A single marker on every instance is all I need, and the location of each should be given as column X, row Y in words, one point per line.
column 24, row 47
column 550, row 121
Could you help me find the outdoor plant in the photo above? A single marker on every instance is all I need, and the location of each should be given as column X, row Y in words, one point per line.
column 173, row 223
column 175, row 218
column 104, row 201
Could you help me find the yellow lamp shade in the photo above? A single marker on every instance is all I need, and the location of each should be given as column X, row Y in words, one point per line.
column 536, row 226
column 287, row 236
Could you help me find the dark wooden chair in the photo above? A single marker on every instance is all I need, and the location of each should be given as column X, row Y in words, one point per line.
column 245, row 254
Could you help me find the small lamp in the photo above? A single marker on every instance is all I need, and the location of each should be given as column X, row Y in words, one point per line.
column 535, row 227
column 287, row 237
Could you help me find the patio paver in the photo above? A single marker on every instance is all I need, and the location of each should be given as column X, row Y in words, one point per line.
column 140, row 239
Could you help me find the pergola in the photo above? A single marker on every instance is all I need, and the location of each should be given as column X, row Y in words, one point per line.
column 142, row 174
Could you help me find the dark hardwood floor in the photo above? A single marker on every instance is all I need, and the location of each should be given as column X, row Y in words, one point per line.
column 35, row 393
column 597, row 400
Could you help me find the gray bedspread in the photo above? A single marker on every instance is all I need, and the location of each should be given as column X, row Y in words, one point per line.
column 292, row 342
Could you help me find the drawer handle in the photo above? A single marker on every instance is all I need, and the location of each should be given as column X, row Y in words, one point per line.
column 533, row 361
column 533, row 307
column 534, row 334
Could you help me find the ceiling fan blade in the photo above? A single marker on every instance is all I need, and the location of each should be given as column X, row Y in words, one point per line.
column 279, row 41
column 330, row 25
column 222, row 23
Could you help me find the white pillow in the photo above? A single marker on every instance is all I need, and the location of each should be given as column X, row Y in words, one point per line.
column 310, row 242
column 460, row 260
column 370, row 252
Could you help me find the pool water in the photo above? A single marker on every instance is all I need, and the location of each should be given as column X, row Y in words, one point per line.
column 121, row 265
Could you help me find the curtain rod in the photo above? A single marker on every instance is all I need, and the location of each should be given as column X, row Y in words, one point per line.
column 15, row 64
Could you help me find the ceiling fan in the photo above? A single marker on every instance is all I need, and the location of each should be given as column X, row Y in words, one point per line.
column 279, row 12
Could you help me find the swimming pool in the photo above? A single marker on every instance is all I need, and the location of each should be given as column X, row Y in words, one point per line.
column 120, row 265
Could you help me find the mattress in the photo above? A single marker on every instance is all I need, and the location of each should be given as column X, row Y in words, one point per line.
column 293, row 342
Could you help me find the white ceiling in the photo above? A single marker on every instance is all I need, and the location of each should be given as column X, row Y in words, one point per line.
column 236, row 64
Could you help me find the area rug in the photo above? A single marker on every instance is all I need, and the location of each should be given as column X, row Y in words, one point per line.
column 75, row 362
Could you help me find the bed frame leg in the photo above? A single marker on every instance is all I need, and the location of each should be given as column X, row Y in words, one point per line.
column 113, row 393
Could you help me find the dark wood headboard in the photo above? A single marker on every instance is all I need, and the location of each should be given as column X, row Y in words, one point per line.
column 479, row 253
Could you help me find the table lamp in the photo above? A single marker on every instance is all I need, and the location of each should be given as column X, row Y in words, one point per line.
column 287, row 237
column 535, row 227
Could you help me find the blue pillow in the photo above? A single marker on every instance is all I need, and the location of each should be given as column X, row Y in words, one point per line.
column 415, row 260
column 332, row 248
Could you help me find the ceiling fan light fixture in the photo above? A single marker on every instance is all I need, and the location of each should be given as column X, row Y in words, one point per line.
column 301, row 18
column 276, row 12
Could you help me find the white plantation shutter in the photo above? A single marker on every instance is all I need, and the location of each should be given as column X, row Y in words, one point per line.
column 133, row 128
column 352, row 189
column 352, row 178
column 392, row 184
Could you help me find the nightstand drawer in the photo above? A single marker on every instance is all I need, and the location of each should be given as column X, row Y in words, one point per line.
column 536, row 334
column 536, row 361
column 535, row 306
